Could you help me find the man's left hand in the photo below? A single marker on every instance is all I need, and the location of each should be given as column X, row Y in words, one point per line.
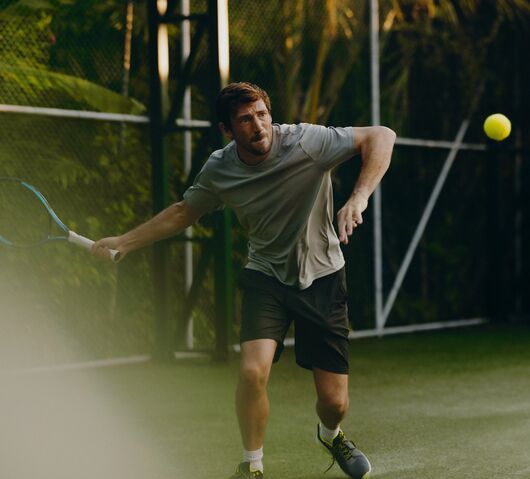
column 350, row 216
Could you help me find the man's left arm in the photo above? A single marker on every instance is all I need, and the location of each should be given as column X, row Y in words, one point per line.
column 375, row 144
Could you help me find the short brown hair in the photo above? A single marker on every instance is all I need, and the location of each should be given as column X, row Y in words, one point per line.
column 235, row 94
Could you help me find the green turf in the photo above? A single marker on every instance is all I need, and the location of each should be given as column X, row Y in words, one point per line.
column 450, row 404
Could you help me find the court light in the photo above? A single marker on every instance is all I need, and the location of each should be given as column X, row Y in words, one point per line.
column 163, row 53
column 163, row 43
column 161, row 5
column 223, row 41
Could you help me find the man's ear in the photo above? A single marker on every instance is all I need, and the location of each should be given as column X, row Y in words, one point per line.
column 225, row 131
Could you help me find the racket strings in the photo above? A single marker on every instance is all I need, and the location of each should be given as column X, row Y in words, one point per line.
column 24, row 220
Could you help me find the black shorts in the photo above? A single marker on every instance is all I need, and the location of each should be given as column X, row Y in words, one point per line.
column 320, row 315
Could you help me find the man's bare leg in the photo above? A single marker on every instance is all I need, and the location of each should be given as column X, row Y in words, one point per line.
column 252, row 402
column 332, row 397
column 332, row 406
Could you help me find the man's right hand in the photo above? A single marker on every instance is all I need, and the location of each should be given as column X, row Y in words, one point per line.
column 101, row 249
column 169, row 222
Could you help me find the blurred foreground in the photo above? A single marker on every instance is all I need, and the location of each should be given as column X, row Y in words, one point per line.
column 425, row 406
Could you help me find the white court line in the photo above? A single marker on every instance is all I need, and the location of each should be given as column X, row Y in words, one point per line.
column 99, row 363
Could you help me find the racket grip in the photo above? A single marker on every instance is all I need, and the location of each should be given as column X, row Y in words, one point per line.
column 87, row 244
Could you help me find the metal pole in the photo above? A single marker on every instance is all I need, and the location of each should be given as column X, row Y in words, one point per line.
column 376, row 120
column 158, row 75
column 186, row 115
column 129, row 17
column 224, row 295
column 518, row 224
column 518, row 191
column 496, row 296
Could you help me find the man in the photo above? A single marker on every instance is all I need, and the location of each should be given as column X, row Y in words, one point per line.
column 277, row 180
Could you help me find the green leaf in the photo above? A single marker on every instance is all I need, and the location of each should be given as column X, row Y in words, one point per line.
column 39, row 83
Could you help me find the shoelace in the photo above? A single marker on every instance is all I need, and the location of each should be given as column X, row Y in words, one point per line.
column 345, row 448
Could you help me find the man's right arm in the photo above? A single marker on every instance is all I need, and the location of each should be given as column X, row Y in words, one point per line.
column 169, row 222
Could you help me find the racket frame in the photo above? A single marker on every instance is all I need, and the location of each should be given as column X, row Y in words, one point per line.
column 69, row 235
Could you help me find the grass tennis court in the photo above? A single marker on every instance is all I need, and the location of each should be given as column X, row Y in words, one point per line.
column 451, row 404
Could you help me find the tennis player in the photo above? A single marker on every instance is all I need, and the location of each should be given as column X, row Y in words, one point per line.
column 277, row 180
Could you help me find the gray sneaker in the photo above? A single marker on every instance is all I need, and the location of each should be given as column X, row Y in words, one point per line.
column 243, row 472
column 352, row 461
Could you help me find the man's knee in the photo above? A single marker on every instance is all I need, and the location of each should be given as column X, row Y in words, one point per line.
column 256, row 362
column 254, row 375
column 336, row 403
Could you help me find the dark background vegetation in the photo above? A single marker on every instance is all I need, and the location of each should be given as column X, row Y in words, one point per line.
column 313, row 58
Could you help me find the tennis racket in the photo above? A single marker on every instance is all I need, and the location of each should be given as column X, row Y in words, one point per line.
column 27, row 219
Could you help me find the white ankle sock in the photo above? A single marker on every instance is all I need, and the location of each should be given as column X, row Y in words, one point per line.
column 328, row 434
column 254, row 457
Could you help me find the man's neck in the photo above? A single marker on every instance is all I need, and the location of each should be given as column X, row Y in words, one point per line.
column 250, row 159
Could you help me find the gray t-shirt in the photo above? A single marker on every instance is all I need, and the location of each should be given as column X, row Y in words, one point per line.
column 284, row 203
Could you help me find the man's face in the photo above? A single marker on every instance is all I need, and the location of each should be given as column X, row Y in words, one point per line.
column 252, row 131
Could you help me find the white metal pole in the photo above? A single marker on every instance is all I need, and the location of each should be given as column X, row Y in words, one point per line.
column 518, row 226
column 95, row 115
column 376, row 120
column 186, row 115
column 518, row 169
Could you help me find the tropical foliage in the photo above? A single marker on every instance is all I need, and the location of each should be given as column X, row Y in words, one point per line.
column 313, row 58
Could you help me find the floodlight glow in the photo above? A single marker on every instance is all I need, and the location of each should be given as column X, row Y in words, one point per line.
column 223, row 41
column 163, row 53
column 161, row 5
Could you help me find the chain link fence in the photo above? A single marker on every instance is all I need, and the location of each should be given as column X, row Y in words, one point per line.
column 312, row 58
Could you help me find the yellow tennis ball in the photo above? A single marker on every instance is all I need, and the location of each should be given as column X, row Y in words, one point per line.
column 497, row 127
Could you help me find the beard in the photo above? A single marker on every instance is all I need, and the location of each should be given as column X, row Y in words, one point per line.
column 258, row 146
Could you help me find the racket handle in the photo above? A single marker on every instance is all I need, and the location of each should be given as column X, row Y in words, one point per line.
column 87, row 244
